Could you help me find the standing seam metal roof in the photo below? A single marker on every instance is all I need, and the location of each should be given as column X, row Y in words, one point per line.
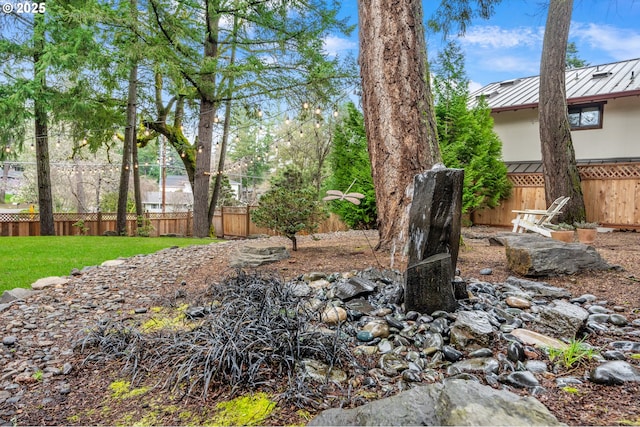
column 586, row 84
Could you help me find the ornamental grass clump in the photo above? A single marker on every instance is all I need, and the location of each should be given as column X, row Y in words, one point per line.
column 576, row 353
column 252, row 332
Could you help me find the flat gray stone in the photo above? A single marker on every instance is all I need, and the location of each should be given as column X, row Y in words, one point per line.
column 476, row 365
column 614, row 373
column 355, row 286
column 542, row 289
column 560, row 319
column 472, row 330
column 112, row 263
column 453, row 402
column 533, row 255
column 15, row 294
column 538, row 340
column 47, row 282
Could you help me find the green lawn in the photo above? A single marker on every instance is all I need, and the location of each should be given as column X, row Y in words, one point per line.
column 23, row 260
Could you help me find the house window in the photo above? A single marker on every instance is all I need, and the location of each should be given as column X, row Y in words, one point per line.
column 585, row 116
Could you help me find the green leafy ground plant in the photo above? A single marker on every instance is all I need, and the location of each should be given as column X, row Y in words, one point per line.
column 576, row 353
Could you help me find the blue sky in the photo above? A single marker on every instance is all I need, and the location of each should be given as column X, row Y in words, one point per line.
column 509, row 44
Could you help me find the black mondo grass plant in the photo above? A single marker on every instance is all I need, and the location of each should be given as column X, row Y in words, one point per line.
column 254, row 333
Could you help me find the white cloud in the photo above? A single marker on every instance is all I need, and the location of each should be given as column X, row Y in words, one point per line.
column 334, row 45
column 501, row 53
column 492, row 36
column 619, row 43
column 474, row 86
column 523, row 66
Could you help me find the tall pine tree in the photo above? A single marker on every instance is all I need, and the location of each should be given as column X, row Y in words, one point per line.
column 466, row 136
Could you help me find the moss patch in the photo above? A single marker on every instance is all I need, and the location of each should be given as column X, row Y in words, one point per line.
column 123, row 390
column 246, row 410
column 165, row 319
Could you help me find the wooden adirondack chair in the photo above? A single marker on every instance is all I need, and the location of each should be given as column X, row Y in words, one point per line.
column 536, row 220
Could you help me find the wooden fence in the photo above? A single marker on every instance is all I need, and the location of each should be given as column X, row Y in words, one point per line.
column 235, row 221
column 611, row 196
column 95, row 224
column 229, row 222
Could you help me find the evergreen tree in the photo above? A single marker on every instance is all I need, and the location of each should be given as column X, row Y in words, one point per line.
column 572, row 59
column 466, row 136
column 289, row 207
column 226, row 197
column 351, row 169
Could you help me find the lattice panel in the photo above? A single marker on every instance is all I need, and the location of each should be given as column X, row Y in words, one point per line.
column 610, row 171
column 526, row 179
column 614, row 171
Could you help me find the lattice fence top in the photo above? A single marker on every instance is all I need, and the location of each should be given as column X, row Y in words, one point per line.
column 526, row 179
column 613, row 171
column 13, row 217
column 603, row 171
column 105, row 216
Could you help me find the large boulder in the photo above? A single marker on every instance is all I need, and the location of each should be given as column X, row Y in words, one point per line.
column 256, row 254
column 533, row 255
column 453, row 402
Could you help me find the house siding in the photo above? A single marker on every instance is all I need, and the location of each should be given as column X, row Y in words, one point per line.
column 618, row 138
column 608, row 158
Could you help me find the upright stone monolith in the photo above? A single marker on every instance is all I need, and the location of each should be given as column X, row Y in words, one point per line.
column 434, row 229
column 428, row 287
column 434, row 217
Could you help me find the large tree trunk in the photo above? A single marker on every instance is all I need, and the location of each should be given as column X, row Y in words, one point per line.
column 129, row 140
column 45, row 200
column 201, row 224
column 561, row 176
column 203, row 166
column 397, row 104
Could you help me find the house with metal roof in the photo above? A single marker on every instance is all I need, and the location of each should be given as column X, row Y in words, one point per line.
column 604, row 113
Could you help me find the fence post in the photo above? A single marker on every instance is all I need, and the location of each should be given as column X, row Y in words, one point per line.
column 222, row 221
column 248, row 221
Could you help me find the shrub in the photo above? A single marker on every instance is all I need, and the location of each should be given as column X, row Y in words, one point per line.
column 351, row 168
column 289, row 207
